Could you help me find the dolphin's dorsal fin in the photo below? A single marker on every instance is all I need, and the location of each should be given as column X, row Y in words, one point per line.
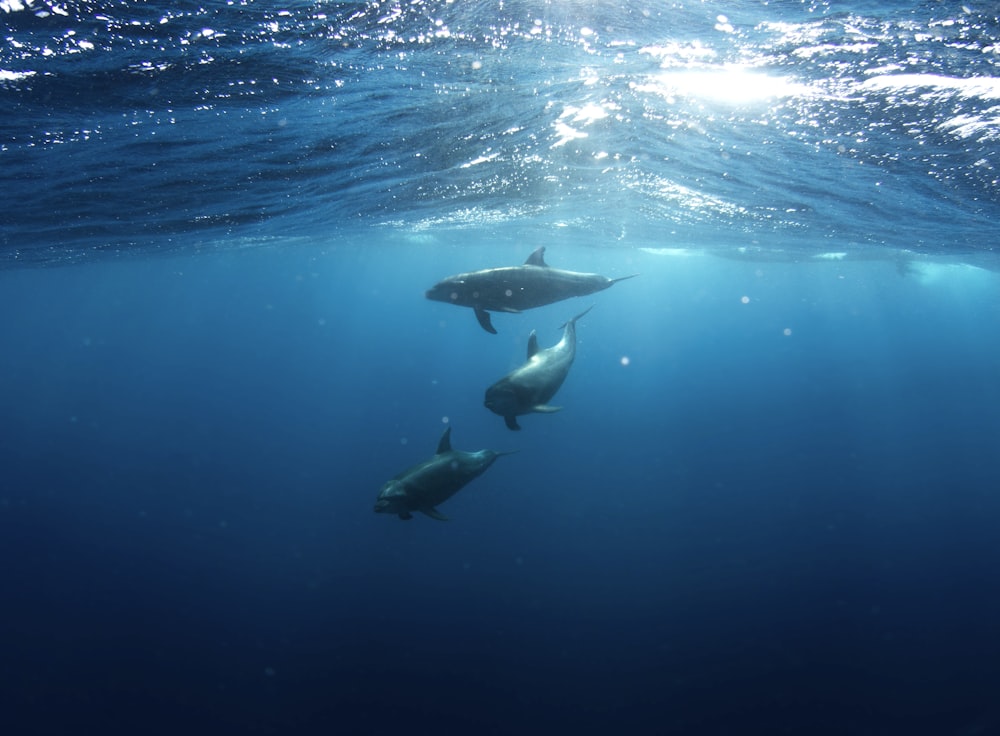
column 532, row 345
column 445, row 444
column 537, row 258
column 434, row 514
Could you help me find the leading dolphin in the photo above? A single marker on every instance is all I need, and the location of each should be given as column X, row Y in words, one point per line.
column 528, row 388
column 433, row 481
column 514, row 288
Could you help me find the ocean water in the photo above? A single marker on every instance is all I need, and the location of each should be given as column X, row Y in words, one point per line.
column 770, row 502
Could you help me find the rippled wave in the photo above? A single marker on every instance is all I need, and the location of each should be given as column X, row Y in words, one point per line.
column 132, row 126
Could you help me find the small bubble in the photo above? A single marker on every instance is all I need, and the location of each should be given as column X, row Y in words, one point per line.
column 509, row 292
column 445, row 419
column 787, row 331
column 269, row 671
column 745, row 299
column 403, row 440
column 625, row 360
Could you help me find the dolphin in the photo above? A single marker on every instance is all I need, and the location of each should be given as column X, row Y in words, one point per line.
column 432, row 482
column 515, row 288
column 528, row 388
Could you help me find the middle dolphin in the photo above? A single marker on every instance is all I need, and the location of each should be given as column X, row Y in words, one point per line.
column 528, row 388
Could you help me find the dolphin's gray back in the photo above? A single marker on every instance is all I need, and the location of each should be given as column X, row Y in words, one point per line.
column 543, row 374
column 516, row 288
column 560, row 356
column 434, row 481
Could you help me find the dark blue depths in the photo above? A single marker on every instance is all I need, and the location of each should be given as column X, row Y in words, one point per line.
column 738, row 531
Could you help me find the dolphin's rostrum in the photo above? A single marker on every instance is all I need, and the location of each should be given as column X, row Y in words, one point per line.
column 528, row 388
column 515, row 288
column 432, row 482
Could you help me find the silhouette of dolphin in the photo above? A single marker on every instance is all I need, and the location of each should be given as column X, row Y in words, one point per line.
column 515, row 288
column 528, row 388
column 432, row 482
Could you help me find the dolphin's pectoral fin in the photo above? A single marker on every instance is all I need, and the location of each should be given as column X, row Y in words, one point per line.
column 434, row 514
column 405, row 515
column 532, row 345
column 537, row 258
column 484, row 320
column 511, row 423
column 546, row 409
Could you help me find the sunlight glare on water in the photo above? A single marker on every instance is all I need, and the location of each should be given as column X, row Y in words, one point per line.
column 728, row 84
column 635, row 125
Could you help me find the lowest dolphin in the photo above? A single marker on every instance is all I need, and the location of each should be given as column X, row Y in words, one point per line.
column 432, row 482
column 514, row 288
column 528, row 389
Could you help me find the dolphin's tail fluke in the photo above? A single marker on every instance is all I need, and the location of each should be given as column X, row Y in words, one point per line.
column 573, row 321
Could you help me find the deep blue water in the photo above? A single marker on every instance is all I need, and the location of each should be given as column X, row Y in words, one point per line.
column 770, row 504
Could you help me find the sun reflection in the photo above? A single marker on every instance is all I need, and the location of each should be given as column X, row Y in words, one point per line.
column 580, row 116
column 734, row 85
